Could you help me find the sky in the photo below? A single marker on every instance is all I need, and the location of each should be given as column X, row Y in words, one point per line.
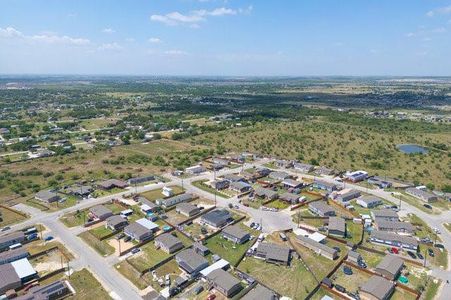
column 226, row 37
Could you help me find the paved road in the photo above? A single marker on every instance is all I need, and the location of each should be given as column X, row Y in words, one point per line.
column 121, row 288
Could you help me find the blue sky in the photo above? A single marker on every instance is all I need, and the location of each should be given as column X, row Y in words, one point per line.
column 232, row 37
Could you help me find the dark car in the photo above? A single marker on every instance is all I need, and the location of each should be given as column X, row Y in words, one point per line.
column 362, row 264
column 412, row 255
column 127, row 239
column 347, row 270
column 420, row 256
column 340, row 288
column 431, row 252
column 427, row 206
column 337, row 248
column 439, row 246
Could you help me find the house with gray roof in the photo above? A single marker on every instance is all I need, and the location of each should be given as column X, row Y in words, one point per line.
column 217, row 218
column 47, row 196
column 369, row 201
column 317, row 247
column 174, row 200
column 337, row 226
column 233, row 178
column 394, row 226
column 424, row 196
column 168, row 243
column 376, row 288
column 236, row 234
column 279, row 175
column 80, row 190
column 394, row 240
column 347, row 195
column 290, row 198
column 13, row 255
column 390, row 267
column 224, row 282
column 138, row 232
column 240, row 186
column 266, row 193
column 187, row 209
column 321, row 208
column 100, row 212
column 191, row 262
column 260, row 292
column 291, row 183
column 9, row 280
column 115, row 223
column 55, row 290
column 324, row 185
column 303, row 168
column 385, row 214
column 273, row 253
column 11, row 238
column 112, row 183
column 200, row 249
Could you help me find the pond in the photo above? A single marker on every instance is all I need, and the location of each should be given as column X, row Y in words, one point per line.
column 411, row 148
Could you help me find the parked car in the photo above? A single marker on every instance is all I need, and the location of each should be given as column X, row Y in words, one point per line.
column 427, row 206
column 5, row 228
column 167, row 280
column 347, row 270
column 340, row 288
column 431, row 252
column 230, row 205
column 393, row 250
column 337, row 248
column 135, row 250
column 420, row 256
column 362, row 264
column 252, row 225
column 120, row 236
column 440, row 246
column 127, row 239
column 412, row 255
column 48, row 238
column 198, row 289
column 211, row 297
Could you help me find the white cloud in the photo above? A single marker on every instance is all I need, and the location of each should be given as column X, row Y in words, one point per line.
column 154, row 40
column 130, row 40
column 48, row 37
column 197, row 16
column 446, row 10
column 175, row 52
column 108, row 30
column 110, row 47
column 10, row 32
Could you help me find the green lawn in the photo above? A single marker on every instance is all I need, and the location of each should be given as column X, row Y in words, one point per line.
column 279, row 204
column 350, row 282
column 102, row 247
column 74, row 219
column 226, row 249
column 129, row 272
column 87, row 286
column 100, row 232
column 294, row 281
column 153, row 195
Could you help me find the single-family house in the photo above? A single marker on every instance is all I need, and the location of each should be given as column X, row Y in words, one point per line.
column 337, row 226
column 187, row 209
column 220, row 184
column 266, row 193
column 280, row 176
column 394, row 226
column 346, row 195
column 260, row 292
column 273, row 253
column 112, row 183
column 424, row 196
column 224, row 282
column 317, row 247
column 390, row 267
column 141, row 230
column 385, row 214
column 233, row 178
column 379, row 181
column 100, row 212
column 240, row 186
column 174, row 200
column 394, row 240
column 369, row 201
column 168, row 243
column 235, row 234
column 290, row 198
column 291, row 183
column 47, row 196
column 11, row 238
column 13, row 255
column 191, row 262
column 217, row 218
column 356, row 176
column 303, row 168
column 324, row 185
column 195, row 170
column 321, row 208
column 115, row 223
column 376, row 288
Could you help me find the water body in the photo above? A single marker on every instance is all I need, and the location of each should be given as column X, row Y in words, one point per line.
column 411, row 148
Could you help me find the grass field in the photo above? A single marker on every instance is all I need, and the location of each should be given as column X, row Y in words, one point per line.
column 129, row 160
column 157, row 194
column 201, row 185
column 40, row 246
column 227, row 250
column 87, row 286
column 102, row 247
column 129, row 272
column 77, row 218
column 350, row 282
column 360, row 146
column 293, row 281
column 9, row 217
column 100, row 232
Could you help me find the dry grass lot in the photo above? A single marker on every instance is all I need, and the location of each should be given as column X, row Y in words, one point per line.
column 293, row 281
column 9, row 217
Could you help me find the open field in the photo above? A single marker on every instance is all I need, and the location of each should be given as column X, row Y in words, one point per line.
column 360, row 146
column 201, row 185
column 157, row 193
column 102, row 247
column 9, row 217
column 87, row 286
column 296, row 279
column 122, row 162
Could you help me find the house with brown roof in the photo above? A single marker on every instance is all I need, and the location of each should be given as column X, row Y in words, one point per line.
column 376, row 288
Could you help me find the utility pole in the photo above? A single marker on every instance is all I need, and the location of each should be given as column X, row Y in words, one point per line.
column 120, row 252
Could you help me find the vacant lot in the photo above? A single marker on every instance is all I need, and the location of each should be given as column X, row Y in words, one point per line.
column 8, row 217
column 359, row 146
column 158, row 193
column 350, row 282
column 102, row 247
column 293, row 281
column 87, row 286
